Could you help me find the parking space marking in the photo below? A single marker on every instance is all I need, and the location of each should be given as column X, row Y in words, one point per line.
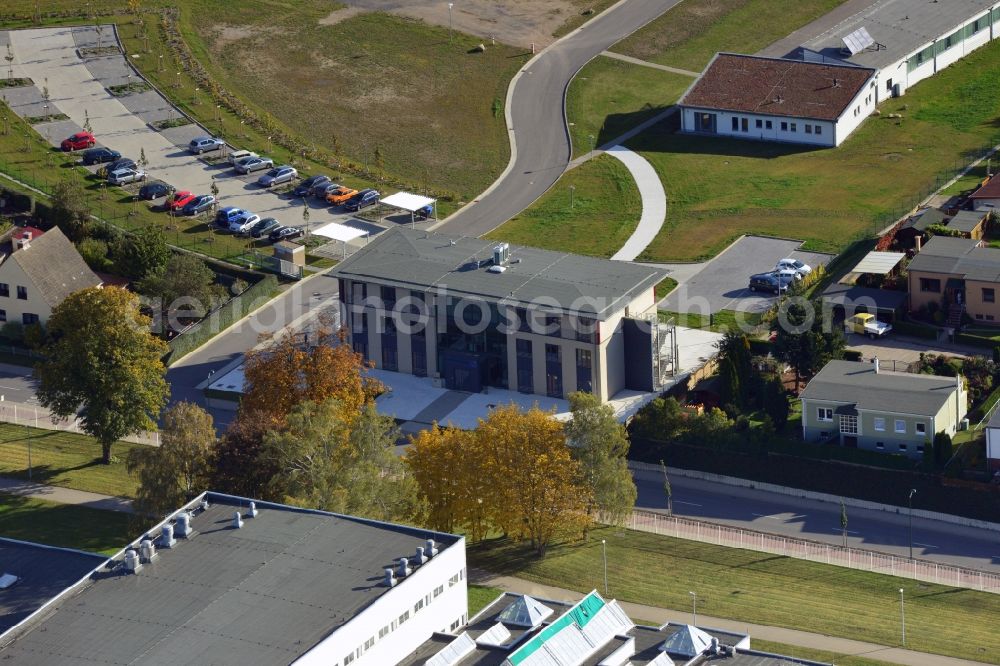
column 687, row 503
column 924, row 545
column 781, row 516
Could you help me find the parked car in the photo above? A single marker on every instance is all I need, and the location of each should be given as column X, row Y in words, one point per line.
column 120, row 163
column 243, row 223
column 794, row 265
column 126, row 176
column 250, row 164
column 78, row 141
column 203, row 144
column 866, row 323
column 199, row 204
column 285, row 233
column 363, row 199
column 305, row 188
column 226, row 215
column 772, row 282
column 340, row 195
column 277, row 176
column 180, row 199
column 155, row 190
column 99, row 156
column 788, row 273
column 323, row 191
column 264, row 227
column 238, row 155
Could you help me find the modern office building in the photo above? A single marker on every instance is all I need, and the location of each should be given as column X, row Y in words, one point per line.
column 228, row 581
column 473, row 314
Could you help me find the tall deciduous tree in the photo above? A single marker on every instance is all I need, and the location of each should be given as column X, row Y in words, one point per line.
column 240, row 469
column 184, row 285
column 735, row 368
column 801, row 340
column 599, row 443
column 141, row 254
column 181, row 467
column 102, row 360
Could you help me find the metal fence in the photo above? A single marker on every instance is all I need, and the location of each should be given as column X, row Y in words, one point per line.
column 35, row 416
column 852, row 558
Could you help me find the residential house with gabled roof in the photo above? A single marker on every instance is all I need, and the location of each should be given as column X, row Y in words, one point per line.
column 37, row 272
column 959, row 275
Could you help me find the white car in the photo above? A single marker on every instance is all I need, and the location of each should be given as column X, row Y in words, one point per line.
column 125, row 176
column 793, row 265
column 243, row 222
column 282, row 174
column 250, row 164
column 788, row 273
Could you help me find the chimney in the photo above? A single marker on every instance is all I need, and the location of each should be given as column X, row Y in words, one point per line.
column 237, row 520
column 390, row 579
column 132, row 563
column 147, row 551
column 420, row 558
column 404, row 568
column 836, row 82
column 920, row 241
column 252, row 511
column 429, row 548
column 167, row 537
column 183, row 524
column 24, row 239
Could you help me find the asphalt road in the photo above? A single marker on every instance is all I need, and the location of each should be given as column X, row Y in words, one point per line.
column 818, row 521
column 536, row 112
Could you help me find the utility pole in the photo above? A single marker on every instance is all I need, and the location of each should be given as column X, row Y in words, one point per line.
column 913, row 491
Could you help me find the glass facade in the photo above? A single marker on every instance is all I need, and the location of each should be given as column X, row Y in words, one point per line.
column 584, row 372
column 476, row 347
column 553, row 371
column 525, row 369
column 390, row 352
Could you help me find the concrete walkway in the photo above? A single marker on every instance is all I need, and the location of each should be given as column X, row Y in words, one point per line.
column 23, row 488
column 646, row 63
column 842, row 646
column 654, row 202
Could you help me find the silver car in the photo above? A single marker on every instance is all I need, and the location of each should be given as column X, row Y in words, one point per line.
column 251, row 164
column 202, row 144
column 125, row 176
column 283, row 174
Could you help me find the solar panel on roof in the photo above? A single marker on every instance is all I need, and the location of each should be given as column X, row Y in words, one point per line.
column 858, row 41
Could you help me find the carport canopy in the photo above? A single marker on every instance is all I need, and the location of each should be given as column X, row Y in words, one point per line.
column 340, row 232
column 879, row 263
column 407, row 201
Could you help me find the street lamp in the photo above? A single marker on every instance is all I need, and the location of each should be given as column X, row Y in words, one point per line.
column 694, row 609
column 450, row 5
column 604, row 548
column 593, row 143
column 572, row 191
column 913, row 491
column 902, row 615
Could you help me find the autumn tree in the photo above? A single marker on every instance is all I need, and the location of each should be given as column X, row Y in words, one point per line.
column 598, row 442
column 240, row 468
column 180, row 467
column 102, row 362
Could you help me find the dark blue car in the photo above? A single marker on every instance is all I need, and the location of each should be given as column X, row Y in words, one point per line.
column 773, row 282
column 363, row 199
column 100, row 156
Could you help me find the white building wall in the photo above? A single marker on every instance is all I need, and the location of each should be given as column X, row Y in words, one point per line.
column 438, row 614
column 993, row 444
column 782, row 128
column 860, row 108
column 13, row 307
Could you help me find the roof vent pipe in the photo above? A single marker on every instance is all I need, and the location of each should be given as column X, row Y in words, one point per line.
column 715, row 645
column 390, row 579
column 404, row 568
column 147, row 551
column 429, row 548
column 132, row 564
column 420, row 558
column 875, row 363
column 183, row 524
column 252, row 511
column 204, row 505
column 167, row 537
column 237, row 520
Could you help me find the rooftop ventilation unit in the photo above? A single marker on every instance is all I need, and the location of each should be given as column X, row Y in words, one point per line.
column 7, row 580
column 252, row 511
column 496, row 269
column 501, row 254
column 183, row 528
column 204, row 505
column 390, row 578
column 167, row 536
column 429, row 548
column 24, row 239
column 147, row 551
column 132, row 563
column 403, row 570
column 858, row 41
column 237, row 520
column 420, row 558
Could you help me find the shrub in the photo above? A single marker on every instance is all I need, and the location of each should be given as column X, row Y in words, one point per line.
column 95, row 253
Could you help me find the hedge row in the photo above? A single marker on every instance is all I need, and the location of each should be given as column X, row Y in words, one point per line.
column 221, row 319
column 978, row 340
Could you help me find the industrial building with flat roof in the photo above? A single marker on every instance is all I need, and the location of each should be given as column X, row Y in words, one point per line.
column 472, row 313
column 225, row 580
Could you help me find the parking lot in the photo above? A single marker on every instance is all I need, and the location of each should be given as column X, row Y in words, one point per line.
column 721, row 283
column 78, row 84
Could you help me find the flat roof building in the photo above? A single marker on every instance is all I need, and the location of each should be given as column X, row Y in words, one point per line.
column 473, row 313
column 275, row 586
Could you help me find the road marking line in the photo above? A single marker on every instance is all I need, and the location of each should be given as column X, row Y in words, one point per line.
column 925, row 545
column 840, row 531
column 688, row 503
column 781, row 516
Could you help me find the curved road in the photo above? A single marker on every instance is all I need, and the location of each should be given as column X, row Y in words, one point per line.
column 535, row 105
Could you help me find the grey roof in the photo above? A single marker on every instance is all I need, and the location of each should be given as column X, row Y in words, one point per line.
column 263, row 594
column 879, row 263
column 928, row 217
column 903, row 27
column 54, row 266
column 958, row 256
column 846, row 295
column 966, row 221
column 995, row 419
column 42, row 573
column 856, row 383
column 419, row 260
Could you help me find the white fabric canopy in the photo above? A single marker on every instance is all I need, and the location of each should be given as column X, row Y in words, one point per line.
column 407, row 201
column 339, row 232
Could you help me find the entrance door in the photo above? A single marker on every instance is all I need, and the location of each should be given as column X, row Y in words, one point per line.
column 704, row 122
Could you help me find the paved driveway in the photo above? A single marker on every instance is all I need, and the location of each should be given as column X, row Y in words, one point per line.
column 78, row 88
column 721, row 284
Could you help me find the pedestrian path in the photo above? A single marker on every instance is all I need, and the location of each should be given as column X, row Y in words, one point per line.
column 654, row 202
column 842, row 646
column 646, row 63
column 23, row 488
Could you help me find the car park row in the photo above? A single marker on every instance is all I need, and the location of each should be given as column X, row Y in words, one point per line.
column 785, row 272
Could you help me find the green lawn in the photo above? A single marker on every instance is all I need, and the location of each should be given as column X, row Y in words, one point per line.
column 64, row 459
column 608, row 97
column 605, row 211
column 66, row 525
column 969, row 182
column 761, row 588
column 720, row 322
column 691, row 33
column 813, row 654
column 480, row 596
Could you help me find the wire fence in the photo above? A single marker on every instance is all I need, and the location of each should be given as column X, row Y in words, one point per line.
column 34, row 416
column 841, row 556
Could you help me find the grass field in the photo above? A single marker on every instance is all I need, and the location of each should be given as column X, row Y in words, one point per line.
column 762, row 588
column 64, row 459
column 608, row 97
column 481, row 596
column 604, row 212
column 814, row 655
column 66, row 525
column 689, row 35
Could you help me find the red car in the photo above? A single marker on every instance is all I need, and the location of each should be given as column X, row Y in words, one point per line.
column 79, row 141
column 180, row 200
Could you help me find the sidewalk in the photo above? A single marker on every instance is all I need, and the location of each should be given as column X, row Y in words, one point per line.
column 842, row 646
column 32, row 490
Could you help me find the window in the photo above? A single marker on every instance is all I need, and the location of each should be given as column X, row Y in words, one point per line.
column 22, row 293
column 348, row 659
column 989, row 317
column 586, row 330
column 369, row 643
column 3, row 315
column 824, row 414
column 989, row 295
column 454, row 625
column 525, row 367
column 584, row 380
column 758, row 123
column 438, row 590
column 930, row 285
column 901, row 426
column 784, row 126
column 383, row 631
column 921, row 428
column 417, row 606
column 404, row 617
column 388, row 297
column 819, row 129
column 849, row 424
column 794, row 127
column 809, row 129
column 736, row 124
column 29, row 318
column 879, row 424
column 768, row 125
column 553, row 371
column 744, row 124
column 418, row 353
column 453, row 580
column 4, row 289
column 903, row 447
column 390, row 354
